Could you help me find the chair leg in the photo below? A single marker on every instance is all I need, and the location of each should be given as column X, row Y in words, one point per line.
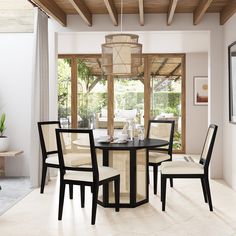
column 82, row 188
column 71, row 190
column 117, row 193
column 148, row 176
column 163, row 192
column 44, row 173
column 94, row 203
column 155, row 172
column 208, row 192
column 204, row 190
column 171, row 182
column 61, row 200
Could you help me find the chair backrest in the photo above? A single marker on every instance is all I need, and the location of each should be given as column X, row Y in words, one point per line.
column 208, row 146
column 47, row 136
column 162, row 129
column 80, row 143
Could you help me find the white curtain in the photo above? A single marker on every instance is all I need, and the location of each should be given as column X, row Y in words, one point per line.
column 40, row 92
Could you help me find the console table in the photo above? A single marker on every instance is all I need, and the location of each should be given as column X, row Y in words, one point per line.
column 4, row 155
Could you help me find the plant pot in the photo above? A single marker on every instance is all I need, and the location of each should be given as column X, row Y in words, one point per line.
column 4, row 144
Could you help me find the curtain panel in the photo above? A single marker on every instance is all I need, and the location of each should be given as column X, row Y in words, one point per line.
column 40, row 92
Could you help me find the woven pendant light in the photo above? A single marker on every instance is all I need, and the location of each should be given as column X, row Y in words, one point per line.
column 121, row 53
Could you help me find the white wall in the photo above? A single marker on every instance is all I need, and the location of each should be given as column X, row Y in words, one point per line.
column 229, row 134
column 16, row 52
column 153, row 22
column 196, row 116
column 152, row 41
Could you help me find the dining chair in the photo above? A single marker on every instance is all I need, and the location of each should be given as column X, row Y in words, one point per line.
column 183, row 169
column 83, row 175
column 48, row 144
column 160, row 129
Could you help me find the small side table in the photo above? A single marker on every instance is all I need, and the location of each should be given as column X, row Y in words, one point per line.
column 3, row 155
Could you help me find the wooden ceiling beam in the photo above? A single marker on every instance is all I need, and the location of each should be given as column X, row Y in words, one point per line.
column 141, row 12
column 52, row 9
column 200, row 11
column 112, row 11
column 171, row 11
column 227, row 12
column 82, row 10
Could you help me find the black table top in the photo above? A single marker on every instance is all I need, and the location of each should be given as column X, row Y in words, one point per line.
column 136, row 144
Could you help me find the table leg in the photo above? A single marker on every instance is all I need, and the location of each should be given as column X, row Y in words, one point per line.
column 105, row 186
column 133, row 178
column 2, row 166
column 147, row 175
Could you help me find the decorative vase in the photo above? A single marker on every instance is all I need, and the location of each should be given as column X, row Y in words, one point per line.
column 4, row 144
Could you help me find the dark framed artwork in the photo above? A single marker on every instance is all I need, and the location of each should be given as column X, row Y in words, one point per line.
column 232, row 82
column 200, row 90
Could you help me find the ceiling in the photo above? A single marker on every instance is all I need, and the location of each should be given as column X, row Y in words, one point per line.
column 59, row 9
column 16, row 16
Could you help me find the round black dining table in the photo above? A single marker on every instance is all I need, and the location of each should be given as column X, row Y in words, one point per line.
column 133, row 199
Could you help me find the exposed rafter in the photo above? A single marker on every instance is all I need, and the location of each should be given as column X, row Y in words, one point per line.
column 52, row 9
column 227, row 12
column 200, row 11
column 161, row 66
column 174, row 70
column 83, row 11
column 141, row 12
column 112, row 11
column 171, row 11
column 58, row 9
column 166, row 77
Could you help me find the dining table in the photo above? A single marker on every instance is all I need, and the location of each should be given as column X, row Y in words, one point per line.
column 130, row 158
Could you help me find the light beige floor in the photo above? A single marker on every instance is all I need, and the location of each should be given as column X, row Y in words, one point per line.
column 186, row 214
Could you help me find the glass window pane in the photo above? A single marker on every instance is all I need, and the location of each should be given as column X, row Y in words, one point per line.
column 64, row 92
column 92, row 96
column 166, row 87
column 128, row 102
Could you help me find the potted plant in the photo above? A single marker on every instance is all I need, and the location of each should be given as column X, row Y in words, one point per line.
column 4, row 141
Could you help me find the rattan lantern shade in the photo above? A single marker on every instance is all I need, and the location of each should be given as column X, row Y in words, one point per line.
column 121, row 55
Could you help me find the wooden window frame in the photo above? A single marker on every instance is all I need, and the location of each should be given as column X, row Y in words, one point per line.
column 147, row 91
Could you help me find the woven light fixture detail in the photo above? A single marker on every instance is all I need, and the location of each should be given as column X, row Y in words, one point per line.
column 121, row 55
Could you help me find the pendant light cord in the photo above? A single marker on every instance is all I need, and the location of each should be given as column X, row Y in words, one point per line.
column 121, row 13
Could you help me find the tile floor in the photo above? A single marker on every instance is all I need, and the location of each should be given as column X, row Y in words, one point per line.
column 186, row 214
column 13, row 190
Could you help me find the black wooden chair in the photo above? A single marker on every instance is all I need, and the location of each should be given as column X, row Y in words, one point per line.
column 182, row 169
column 48, row 143
column 160, row 129
column 82, row 142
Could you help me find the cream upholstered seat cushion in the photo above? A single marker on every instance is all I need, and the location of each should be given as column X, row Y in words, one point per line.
column 157, row 157
column 181, row 167
column 71, row 159
column 87, row 176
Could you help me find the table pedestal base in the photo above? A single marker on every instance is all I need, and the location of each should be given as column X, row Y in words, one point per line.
column 133, row 168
